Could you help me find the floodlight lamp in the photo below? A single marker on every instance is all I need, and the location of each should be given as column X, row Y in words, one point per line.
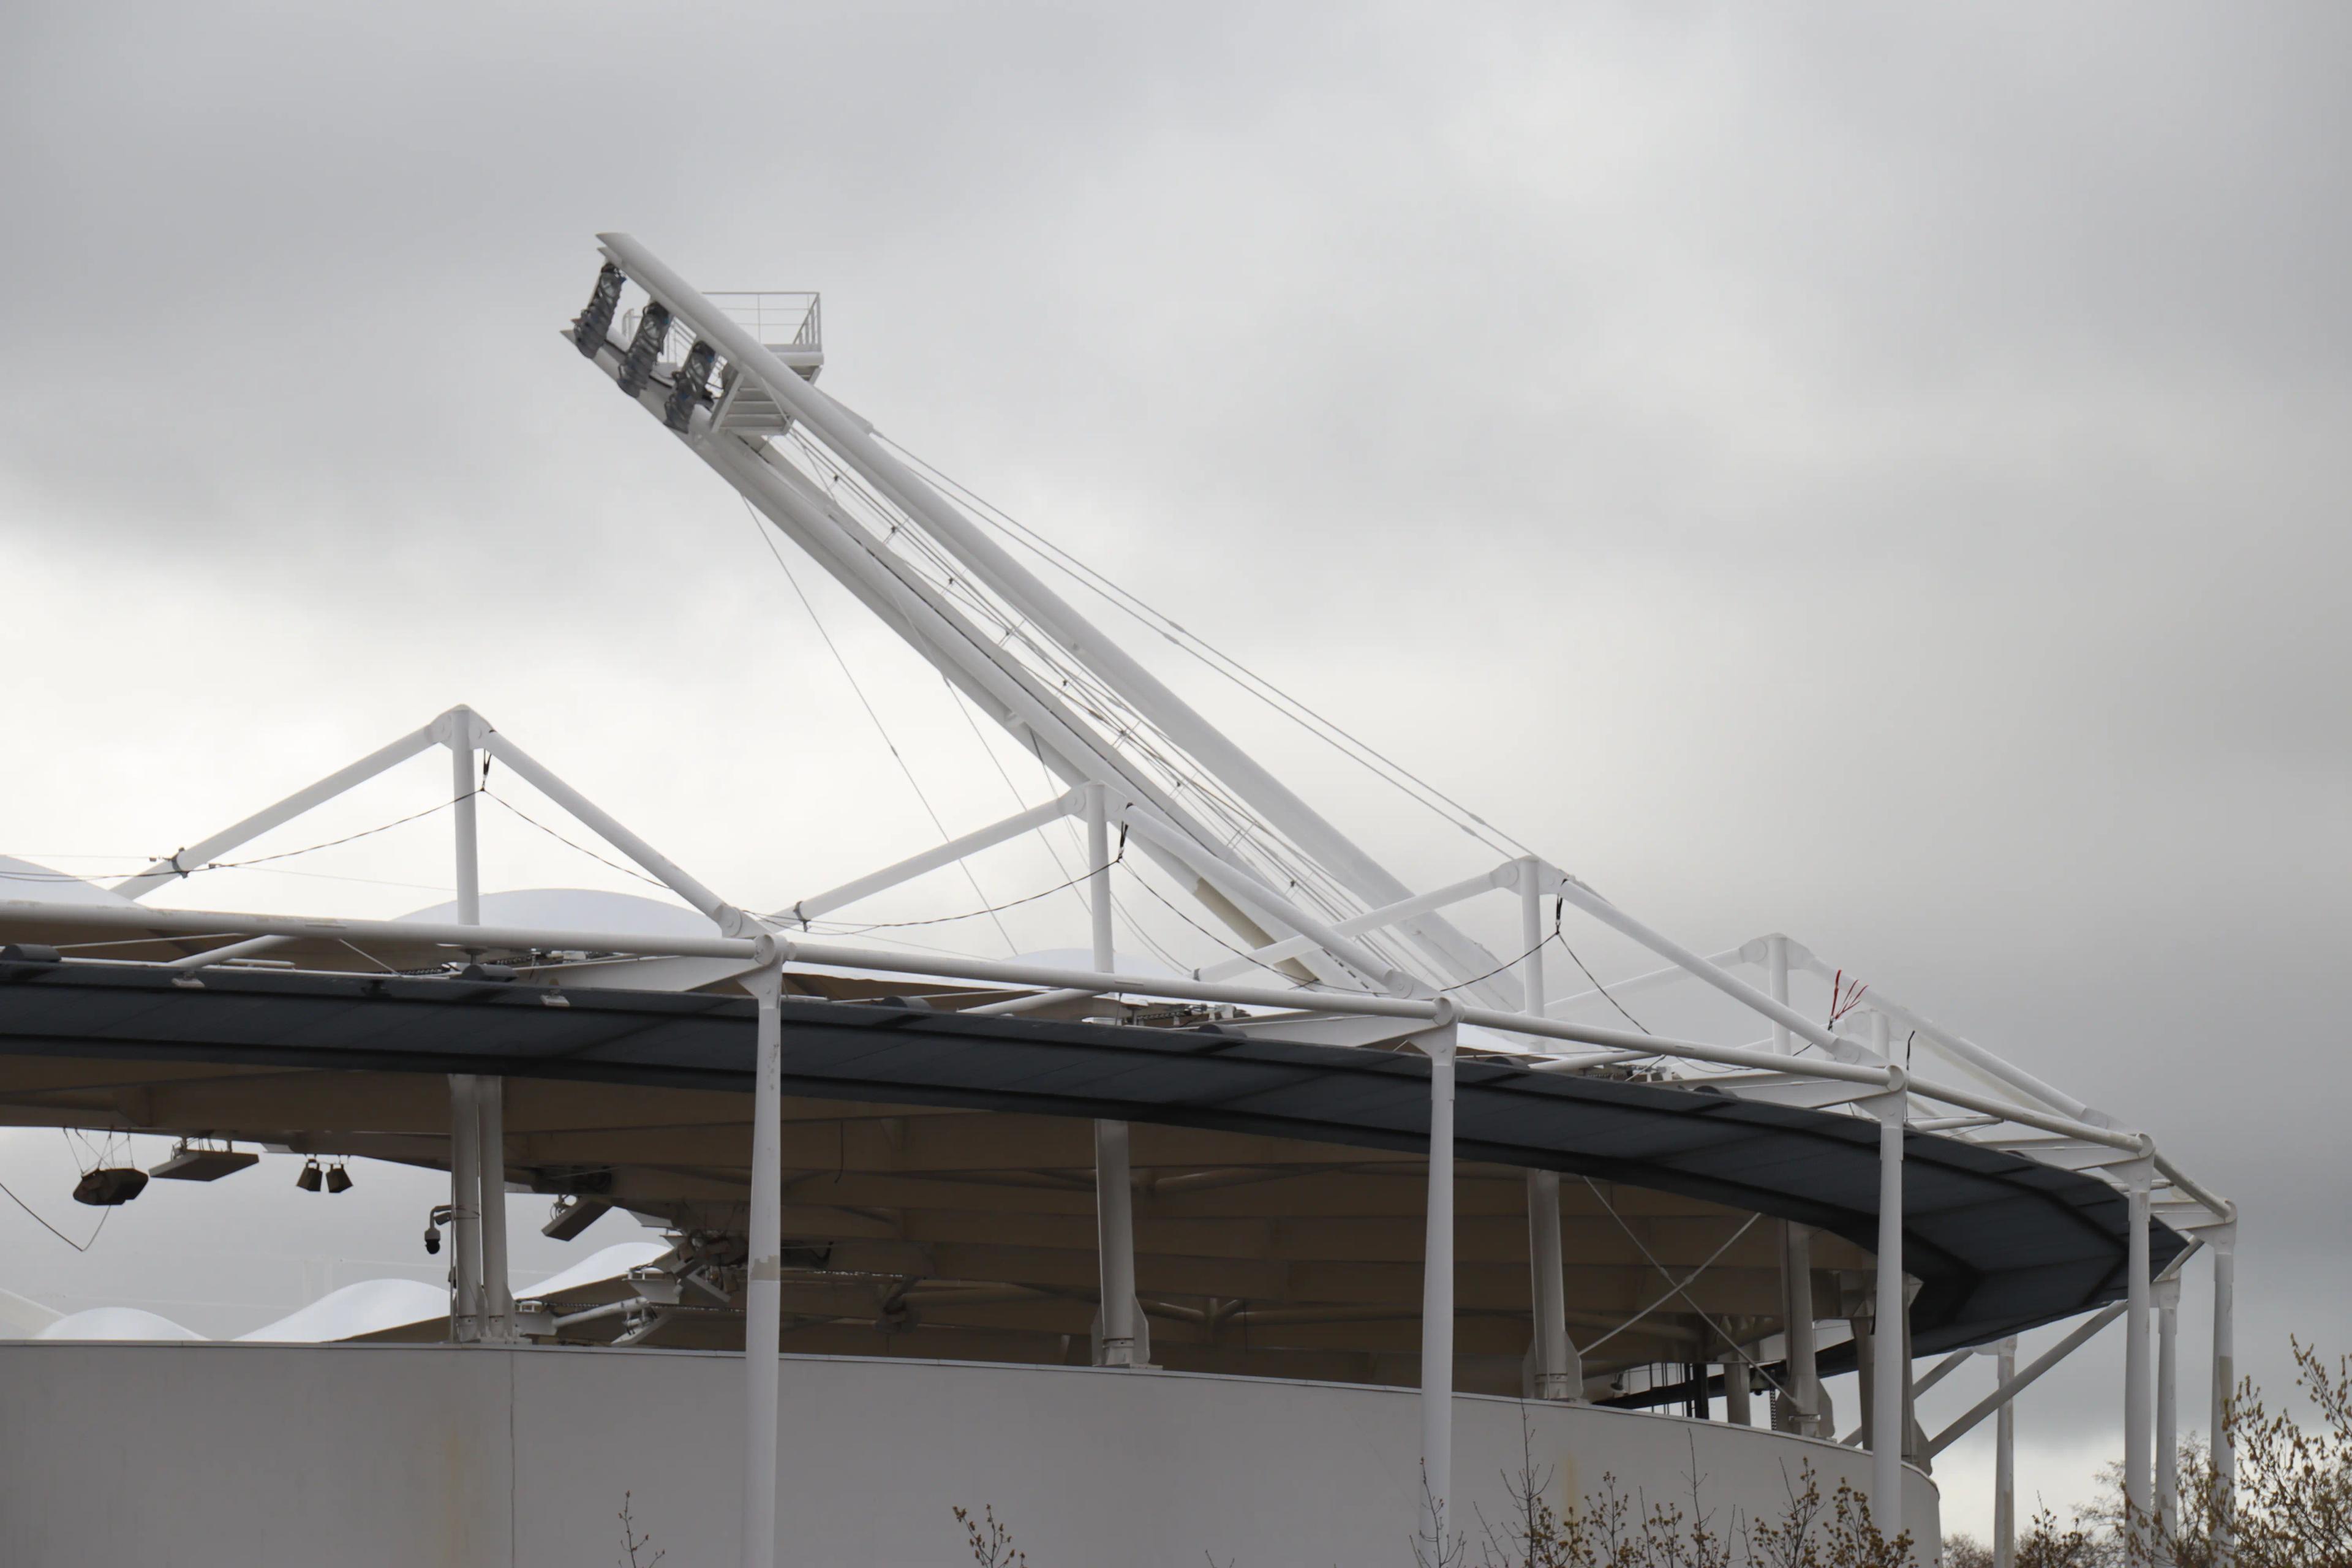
column 310, row 1180
column 338, row 1180
column 110, row 1187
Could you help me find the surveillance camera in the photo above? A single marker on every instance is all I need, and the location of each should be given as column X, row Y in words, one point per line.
column 432, row 1238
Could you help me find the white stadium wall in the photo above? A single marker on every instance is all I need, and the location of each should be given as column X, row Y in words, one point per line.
column 226, row 1456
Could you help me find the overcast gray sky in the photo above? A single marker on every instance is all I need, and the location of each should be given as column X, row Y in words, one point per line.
column 1874, row 473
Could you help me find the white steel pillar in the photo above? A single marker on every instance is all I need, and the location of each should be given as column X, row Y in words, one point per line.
column 1115, row 1236
column 2225, row 1381
column 465, row 1210
column 1887, row 1412
column 2004, row 1463
column 461, row 784
column 1098, row 899
column 1558, row 1374
column 2139, row 1405
column 763, row 1282
column 1776, row 975
column 1531, row 938
column 497, row 1282
column 2167, row 1410
column 1113, row 1184
column 1736, row 1408
column 1437, row 1286
column 1803, row 1387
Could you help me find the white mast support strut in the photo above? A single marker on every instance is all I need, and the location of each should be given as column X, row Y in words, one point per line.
column 162, row 871
column 1437, row 1285
column 764, row 1284
column 1371, row 919
column 2139, row 1412
column 929, row 860
column 1558, row 1374
column 1890, row 1370
column 935, row 629
column 1731, row 986
column 729, row 920
column 1244, row 888
column 851, row 438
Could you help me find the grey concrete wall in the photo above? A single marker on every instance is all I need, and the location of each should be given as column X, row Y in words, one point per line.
column 220, row 1456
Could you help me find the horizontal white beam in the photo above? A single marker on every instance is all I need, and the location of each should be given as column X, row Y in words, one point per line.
column 430, row 933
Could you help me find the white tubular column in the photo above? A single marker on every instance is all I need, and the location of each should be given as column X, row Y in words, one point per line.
column 465, row 1211
column 1114, row 1184
column 1558, row 1374
column 763, row 1285
column 1888, row 1372
column 465, row 1208
column 1804, row 1383
column 1437, row 1286
column 1804, row 1388
column 1115, row 1236
column 2004, row 1463
column 2139, row 1405
column 1737, row 1409
column 1776, row 972
column 2225, row 1376
column 2167, row 1410
column 1531, row 939
column 497, row 1284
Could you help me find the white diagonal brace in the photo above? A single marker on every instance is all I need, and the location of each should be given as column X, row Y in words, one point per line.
column 729, row 920
column 914, row 866
column 165, row 870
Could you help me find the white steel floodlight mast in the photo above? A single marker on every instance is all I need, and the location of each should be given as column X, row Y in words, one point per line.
column 1259, row 859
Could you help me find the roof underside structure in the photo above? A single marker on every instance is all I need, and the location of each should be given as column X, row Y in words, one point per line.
column 939, row 1188
column 940, row 1179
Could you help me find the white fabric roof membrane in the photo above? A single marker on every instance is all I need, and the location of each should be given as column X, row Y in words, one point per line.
column 25, row 879
column 369, row 1307
column 610, row 1263
column 578, row 908
column 21, row 1318
column 117, row 1323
